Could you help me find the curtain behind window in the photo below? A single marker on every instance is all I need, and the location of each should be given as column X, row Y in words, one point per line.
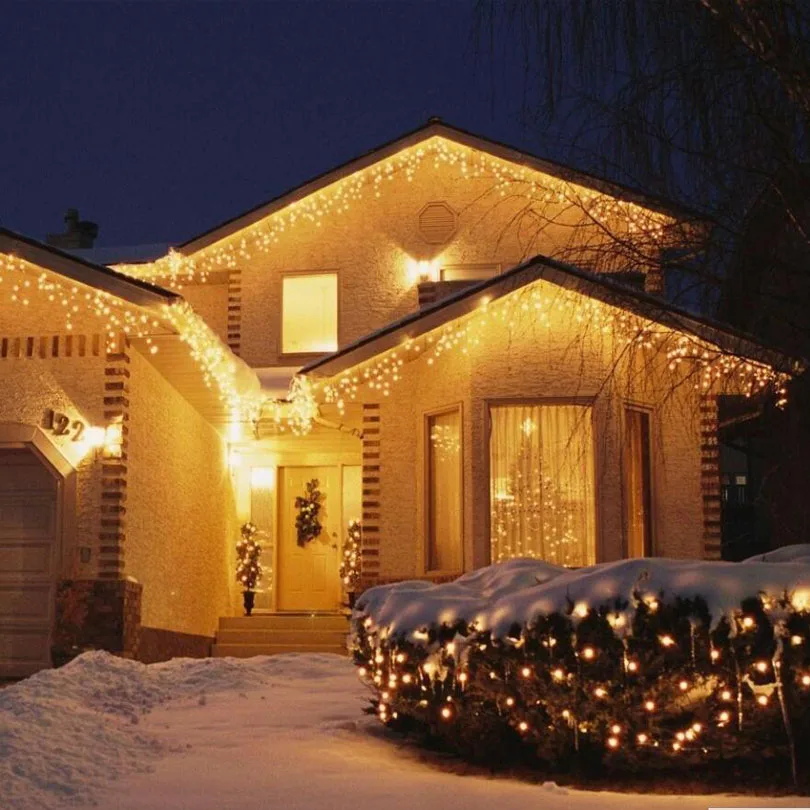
column 542, row 483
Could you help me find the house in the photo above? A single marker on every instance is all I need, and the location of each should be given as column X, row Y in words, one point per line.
column 378, row 331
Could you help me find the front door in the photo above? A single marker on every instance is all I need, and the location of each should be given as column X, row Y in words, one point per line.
column 308, row 576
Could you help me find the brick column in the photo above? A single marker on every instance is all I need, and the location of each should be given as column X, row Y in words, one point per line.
column 114, row 470
column 710, row 477
column 370, row 540
column 235, row 310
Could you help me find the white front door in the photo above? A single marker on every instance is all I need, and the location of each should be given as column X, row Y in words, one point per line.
column 308, row 576
column 28, row 544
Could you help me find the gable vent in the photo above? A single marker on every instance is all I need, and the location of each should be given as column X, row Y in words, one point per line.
column 437, row 223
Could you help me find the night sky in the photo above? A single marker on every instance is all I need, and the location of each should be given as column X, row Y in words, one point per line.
column 159, row 120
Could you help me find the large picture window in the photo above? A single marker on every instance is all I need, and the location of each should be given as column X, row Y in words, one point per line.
column 444, row 492
column 542, row 483
column 309, row 317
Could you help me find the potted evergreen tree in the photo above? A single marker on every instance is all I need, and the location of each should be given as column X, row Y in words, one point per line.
column 248, row 567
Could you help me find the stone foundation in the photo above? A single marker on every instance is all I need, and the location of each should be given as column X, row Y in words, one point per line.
column 98, row 614
column 161, row 645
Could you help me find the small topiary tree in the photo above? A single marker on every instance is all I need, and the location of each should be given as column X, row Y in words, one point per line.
column 248, row 567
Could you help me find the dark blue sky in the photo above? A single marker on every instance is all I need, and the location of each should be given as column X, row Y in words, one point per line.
column 158, row 120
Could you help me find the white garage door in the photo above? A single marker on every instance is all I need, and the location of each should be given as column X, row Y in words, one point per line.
column 27, row 562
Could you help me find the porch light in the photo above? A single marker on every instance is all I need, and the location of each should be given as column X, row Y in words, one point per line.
column 421, row 270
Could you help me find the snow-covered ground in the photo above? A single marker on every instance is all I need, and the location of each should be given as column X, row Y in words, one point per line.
column 215, row 734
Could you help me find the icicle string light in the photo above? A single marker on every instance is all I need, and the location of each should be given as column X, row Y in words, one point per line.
column 536, row 304
column 434, row 153
column 26, row 286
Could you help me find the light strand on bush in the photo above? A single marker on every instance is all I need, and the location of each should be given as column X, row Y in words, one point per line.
column 698, row 692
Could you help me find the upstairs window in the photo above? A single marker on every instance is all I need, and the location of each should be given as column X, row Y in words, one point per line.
column 309, row 313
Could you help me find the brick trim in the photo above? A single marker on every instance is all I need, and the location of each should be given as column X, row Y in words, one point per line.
column 235, row 310
column 47, row 347
column 370, row 537
column 710, row 477
column 114, row 470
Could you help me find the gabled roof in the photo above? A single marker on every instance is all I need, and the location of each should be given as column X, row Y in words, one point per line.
column 132, row 290
column 594, row 285
column 434, row 127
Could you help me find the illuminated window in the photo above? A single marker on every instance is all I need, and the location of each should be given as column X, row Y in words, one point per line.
column 469, row 272
column 309, row 321
column 541, row 470
column 444, row 491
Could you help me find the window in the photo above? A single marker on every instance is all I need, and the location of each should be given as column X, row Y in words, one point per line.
column 637, row 483
column 541, row 470
column 309, row 320
column 444, row 491
column 468, row 272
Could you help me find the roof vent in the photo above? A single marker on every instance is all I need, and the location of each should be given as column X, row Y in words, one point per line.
column 437, row 223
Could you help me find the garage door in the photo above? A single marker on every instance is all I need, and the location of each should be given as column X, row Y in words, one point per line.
column 27, row 562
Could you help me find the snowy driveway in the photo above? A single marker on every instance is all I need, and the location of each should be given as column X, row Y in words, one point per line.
column 284, row 732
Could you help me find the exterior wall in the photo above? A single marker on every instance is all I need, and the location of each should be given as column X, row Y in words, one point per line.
column 371, row 245
column 533, row 362
column 41, row 368
column 180, row 513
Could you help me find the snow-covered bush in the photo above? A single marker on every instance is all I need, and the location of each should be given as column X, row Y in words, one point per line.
column 632, row 666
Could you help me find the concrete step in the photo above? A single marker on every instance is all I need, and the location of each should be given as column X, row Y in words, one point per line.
column 249, row 650
column 285, row 636
column 286, row 621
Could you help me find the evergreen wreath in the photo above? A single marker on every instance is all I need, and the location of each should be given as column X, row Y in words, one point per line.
column 308, row 506
column 248, row 551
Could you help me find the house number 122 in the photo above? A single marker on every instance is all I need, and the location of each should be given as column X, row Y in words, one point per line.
column 60, row 425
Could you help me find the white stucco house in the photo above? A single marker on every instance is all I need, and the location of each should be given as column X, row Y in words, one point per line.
column 466, row 347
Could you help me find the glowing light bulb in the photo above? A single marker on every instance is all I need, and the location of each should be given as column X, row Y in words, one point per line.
column 613, row 742
column 649, row 705
column 642, row 738
column 523, row 726
column 526, row 672
column 558, row 674
column 447, row 712
column 588, row 653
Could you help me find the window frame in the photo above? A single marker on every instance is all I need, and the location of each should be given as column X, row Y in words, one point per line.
column 294, row 357
column 457, row 407
column 591, row 402
column 632, row 405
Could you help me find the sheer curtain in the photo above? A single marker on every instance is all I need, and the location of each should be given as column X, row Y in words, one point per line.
column 444, row 499
column 542, row 483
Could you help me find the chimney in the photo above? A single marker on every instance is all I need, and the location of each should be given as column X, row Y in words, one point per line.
column 78, row 233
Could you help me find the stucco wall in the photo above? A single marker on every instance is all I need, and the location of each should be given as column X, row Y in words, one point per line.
column 370, row 246
column 529, row 362
column 181, row 521
column 68, row 378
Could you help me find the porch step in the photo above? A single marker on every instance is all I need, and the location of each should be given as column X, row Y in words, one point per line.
column 259, row 636
column 286, row 621
column 272, row 634
column 249, row 650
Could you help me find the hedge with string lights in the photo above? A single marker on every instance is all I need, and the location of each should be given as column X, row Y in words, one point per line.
column 582, row 696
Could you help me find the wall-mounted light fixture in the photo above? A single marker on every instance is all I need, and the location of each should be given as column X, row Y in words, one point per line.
column 422, row 270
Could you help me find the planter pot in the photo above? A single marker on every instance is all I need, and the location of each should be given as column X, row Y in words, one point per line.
column 248, row 597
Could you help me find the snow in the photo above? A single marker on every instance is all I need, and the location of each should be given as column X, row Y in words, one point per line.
column 282, row 732
column 519, row 591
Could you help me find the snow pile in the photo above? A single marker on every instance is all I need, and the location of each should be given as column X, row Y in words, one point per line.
column 496, row 598
column 65, row 733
